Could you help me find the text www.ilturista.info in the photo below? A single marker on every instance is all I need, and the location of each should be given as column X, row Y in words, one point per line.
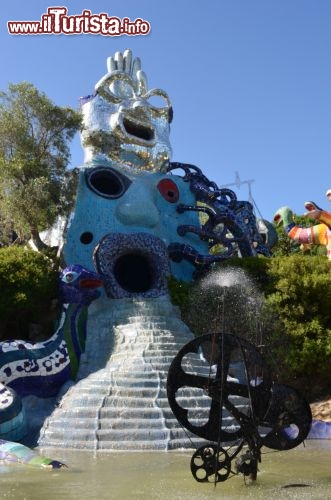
column 56, row 22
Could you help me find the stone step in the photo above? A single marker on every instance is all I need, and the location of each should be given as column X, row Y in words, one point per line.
column 134, row 423
column 166, row 356
column 188, row 442
column 144, row 324
column 131, row 434
column 145, row 356
column 132, row 374
column 144, row 423
column 88, row 424
column 136, row 366
column 136, row 445
column 92, row 392
column 112, row 412
column 65, row 436
column 135, row 393
column 83, row 399
column 151, row 332
column 77, row 444
column 152, row 412
column 125, row 370
column 186, row 402
column 140, row 344
column 95, row 383
column 122, row 382
column 62, row 413
column 122, row 402
column 141, row 361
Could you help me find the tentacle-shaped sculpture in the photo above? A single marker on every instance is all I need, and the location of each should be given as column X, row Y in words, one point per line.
column 230, row 223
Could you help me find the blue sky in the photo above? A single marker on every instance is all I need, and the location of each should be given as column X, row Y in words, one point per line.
column 250, row 83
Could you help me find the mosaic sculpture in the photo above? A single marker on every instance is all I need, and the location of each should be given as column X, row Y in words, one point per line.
column 131, row 212
column 41, row 368
column 139, row 218
column 16, row 453
column 13, row 419
column 319, row 234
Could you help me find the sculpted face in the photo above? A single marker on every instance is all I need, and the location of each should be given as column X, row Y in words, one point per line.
column 123, row 225
column 126, row 123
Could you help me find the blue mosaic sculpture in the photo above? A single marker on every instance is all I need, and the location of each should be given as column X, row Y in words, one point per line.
column 135, row 223
column 41, row 368
column 132, row 212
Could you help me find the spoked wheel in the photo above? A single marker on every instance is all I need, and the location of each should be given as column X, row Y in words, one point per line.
column 210, row 464
column 223, row 369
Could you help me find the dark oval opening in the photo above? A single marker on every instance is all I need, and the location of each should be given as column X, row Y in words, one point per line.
column 134, row 273
column 105, row 182
column 86, row 238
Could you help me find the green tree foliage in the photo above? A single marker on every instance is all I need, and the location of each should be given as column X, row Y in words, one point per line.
column 35, row 186
column 299, row 302
column 179, row 292
column 29, row 283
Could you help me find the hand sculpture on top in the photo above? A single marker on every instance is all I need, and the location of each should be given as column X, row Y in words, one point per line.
column 125, row 71
column 125, row 124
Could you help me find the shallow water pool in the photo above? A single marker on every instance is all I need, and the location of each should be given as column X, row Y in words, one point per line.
column 302, row 473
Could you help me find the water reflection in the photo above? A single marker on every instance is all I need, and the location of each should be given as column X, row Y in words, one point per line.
column 302, row 473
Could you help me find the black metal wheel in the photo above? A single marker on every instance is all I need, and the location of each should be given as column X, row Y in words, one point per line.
column 232, row 365
column 210, row 464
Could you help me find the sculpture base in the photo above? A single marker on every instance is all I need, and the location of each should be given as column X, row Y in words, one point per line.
column 120, row 401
